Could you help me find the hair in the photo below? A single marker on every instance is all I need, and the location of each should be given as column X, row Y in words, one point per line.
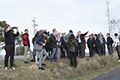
column 108, row 33
column 54, row 30
column 116, row 34
column 95, row 35
column 26, row 30
column 38, row 32
column 70, row 31
column 72, row 36
column 45, row 32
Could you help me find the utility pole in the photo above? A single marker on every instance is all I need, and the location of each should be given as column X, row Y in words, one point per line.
column 108, row 15
column 34, row 25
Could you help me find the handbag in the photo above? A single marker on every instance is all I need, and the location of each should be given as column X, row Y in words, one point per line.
column 37, row 47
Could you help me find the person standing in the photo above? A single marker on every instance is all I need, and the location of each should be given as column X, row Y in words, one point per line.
column 109, row 44
column 72, row 44
column 54, row 46
column 26, row 43
column 90, row 45
column 10, row 46
column 102, row 45
column 117, row 45
column 40, row 49
column 81, row 43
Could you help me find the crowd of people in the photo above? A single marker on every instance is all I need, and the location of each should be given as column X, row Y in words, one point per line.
column 57, row 45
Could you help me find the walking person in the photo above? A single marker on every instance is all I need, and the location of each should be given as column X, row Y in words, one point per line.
column 40, row 49
column 81, row 43
column 71, row 44
column 117, row 45
column 10, row 46
column 90, row 45
column 109, row 44
column 54, row 46
column 26, row 43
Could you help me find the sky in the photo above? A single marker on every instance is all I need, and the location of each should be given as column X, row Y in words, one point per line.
column 78, row 15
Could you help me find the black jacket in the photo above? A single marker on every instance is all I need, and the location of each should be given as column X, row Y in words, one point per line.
column 90, row 42
column 10, row 37
column 96, row 42
column 109, row 41
column 82, row 37
column 53, row 42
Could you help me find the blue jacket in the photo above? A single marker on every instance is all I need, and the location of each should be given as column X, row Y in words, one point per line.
column 40, row 39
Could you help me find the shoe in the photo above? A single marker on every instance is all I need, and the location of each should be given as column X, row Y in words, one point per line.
column 5, row 68
column 43, row 64
column 32, row 60
column 41, row 68
column 26, row 62
column 118, row 60
column 12, row 68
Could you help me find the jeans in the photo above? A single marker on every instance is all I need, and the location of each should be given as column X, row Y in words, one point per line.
column 110, row 50
column 118, row 51
column 34, row 54
column 54, row 53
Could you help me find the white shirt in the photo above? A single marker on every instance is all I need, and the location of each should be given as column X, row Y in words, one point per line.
column 117, row 42
column 79, row 40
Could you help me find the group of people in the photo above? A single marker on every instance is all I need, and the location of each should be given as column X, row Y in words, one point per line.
column 55, row 46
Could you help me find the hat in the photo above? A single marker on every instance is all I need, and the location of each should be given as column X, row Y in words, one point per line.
column 45, row 32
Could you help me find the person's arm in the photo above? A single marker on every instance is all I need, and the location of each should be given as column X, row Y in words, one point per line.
column 76, row 45
column 116, row 42
column 68, row 44
column 17, row 34
column 52, row 39
column 85, row 33
column 38, row 40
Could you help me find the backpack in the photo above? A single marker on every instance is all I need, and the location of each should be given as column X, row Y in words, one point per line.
column 25, row 37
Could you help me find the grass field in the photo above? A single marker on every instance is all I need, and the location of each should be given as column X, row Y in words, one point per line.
column 86, row 69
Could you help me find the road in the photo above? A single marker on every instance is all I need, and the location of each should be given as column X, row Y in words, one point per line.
column 111, row 75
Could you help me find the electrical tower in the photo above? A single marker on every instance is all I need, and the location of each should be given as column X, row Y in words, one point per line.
column 34, row 25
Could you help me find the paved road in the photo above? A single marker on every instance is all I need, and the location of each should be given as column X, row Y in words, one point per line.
column 112, row 75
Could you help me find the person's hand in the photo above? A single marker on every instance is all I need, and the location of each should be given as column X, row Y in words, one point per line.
column 45, row 40
column 94, row 45
column 58, row 40
column 43, row 44
column 17, row 29
column 87, row 31
column 9, row 28
column 115, row 48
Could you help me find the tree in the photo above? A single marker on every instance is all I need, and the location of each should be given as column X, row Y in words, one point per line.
column 3, row 25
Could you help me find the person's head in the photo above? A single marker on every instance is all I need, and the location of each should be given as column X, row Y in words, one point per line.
column 72, row 36
column 79, row 32
column 63, row 34
column 100, row 35
column 26, row 31
column 54, row 30
column 55, row 33
column 38, row 32
column 90, row 36
column 45, row 34
column 58, row 34
column 8, row 27
column 95, row 35
column 70, row 31
column 115, row 34
column 108, row 35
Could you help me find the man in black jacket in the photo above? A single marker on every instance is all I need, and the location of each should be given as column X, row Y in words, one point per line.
column 90, row 45
column 10, row 46
column 81, row 43
column 109, row 44
column 54, row 45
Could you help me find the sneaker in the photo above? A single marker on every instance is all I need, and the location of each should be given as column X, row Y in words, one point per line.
column 12, row 68
column 41, row 68
column 5, row 68
column 32, row 60
column 118, row 60
column 43, row 64
column 26, row 62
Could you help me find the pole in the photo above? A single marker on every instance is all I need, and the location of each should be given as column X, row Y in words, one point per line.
column 108, row 16
column 34, row 25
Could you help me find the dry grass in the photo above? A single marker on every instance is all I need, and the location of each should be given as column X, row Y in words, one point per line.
column 56, row 71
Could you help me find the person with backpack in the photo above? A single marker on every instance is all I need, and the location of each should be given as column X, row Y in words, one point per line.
column 117, row 45
column 26, row 43
column 72, row 44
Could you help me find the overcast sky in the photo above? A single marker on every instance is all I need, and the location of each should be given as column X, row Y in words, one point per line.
column 63, row 15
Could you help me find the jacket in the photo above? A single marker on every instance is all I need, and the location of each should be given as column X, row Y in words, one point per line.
column 71, row 44
column 10, row 37
column 109, row 41
column 26, row 41
column 90, row 42
column 53, row 41
column 82, row 37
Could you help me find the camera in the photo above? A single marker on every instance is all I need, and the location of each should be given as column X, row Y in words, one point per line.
column 14, row 27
